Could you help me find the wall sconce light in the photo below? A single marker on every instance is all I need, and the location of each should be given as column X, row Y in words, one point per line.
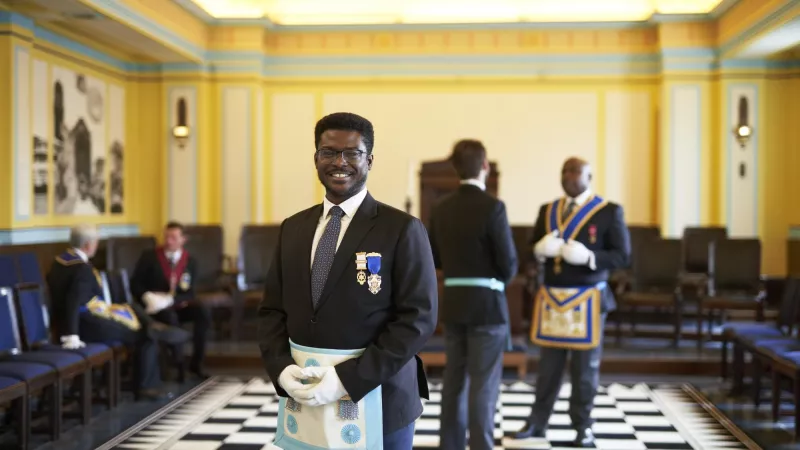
column 181, row 131
column 743, row 131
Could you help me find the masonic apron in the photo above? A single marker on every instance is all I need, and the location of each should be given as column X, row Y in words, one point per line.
column 96, row 306
column 338, row 425
column 568, row 317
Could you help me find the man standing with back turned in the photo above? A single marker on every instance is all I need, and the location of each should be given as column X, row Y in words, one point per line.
column 472, row 244
column 350, row 299
column 581, row 238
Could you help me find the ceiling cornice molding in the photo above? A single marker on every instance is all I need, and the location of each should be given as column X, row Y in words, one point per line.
column 656, row 18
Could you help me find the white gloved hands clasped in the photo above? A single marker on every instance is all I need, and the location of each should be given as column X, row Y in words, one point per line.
column 72, row 342
column 155, row 301
column 326, row 386
column 549, row 246
column 291, row 380
column 576, row 253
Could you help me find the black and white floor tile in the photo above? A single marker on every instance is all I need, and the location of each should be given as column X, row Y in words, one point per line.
column 242, row 415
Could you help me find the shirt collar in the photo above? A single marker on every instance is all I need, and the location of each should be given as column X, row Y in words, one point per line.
column 81, row 254
column 174, row 256
column 475, row 182
column 349, row 206
column 582, row 198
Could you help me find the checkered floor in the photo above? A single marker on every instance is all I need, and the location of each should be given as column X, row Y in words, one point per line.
column 229, row 414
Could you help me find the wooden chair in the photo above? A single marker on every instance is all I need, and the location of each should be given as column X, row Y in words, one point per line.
column 215, row 284
column 786, row 366
column 15, row 391
column 734, row 282
column 654, row 283
column 257, row 245
column 122, row 253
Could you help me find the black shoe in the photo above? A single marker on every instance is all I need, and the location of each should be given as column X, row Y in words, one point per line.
column 585, row 439
column 153, row 395
column 529, row 430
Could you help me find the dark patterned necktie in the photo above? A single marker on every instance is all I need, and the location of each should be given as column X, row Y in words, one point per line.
column 568, row 210
column 326, row 249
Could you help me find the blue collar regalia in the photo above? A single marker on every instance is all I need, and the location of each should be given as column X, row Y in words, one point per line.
column 568, row 317
column 343, row 424
column 122, row 313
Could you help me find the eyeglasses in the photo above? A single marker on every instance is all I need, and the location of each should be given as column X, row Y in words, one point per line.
column 351, row 156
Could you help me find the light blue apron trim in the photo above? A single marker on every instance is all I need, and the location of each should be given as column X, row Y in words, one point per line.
column 372, row 402
column 491, row 283
column 325, row 351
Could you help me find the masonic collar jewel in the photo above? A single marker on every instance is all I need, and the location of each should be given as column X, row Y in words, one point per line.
column 374, row 266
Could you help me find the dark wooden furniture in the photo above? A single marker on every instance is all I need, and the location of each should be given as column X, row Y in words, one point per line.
column 439, row 178
column 793, row 257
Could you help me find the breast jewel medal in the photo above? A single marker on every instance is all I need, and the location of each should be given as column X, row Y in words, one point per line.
column 374, row 266
column 361, row 266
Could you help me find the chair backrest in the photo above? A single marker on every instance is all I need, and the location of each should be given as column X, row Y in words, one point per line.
column 119, row 286
column 205, row 243
column 32, row 314
column 657, row 265
column 696, row 241
column 124, row 252
column 9, row 330
column 257, row 245
column 106, row 289
column 8, row 271
column 735, row 265
column 29, row 268
column 790, row 303
column 515, row 296
column 639, row 235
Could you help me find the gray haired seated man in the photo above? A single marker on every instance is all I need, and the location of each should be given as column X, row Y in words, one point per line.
column 82, row 315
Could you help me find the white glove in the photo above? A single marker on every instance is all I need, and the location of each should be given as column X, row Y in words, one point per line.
column 155, row 302
column 576, row 254
column 72, row 342
column 328, row 388
column 291, row 381
column 549, row 246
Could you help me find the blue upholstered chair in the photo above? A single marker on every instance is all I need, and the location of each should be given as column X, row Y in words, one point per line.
column 36, row 339
column 15, row 391
column 787, row 365
column 38, row 376
column 746, row 335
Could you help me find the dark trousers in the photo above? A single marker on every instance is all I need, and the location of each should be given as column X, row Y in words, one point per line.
column 475, row 358
column 146, row 373
column 402, row 439
column 200, row 316
column 584, row 371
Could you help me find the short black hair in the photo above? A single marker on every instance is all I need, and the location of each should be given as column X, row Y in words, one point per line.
column 468, row 157
column 173, row 225
column 346, row 122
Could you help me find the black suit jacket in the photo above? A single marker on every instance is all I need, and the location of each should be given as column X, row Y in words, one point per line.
column 148, row 275
column 612, row 248
column 470, row 237
column 72, row 284
column 391, row 325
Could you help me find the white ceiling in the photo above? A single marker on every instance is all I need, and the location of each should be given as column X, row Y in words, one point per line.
column 337, row 12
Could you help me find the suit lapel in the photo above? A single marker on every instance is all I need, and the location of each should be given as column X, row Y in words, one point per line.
column 356, row 232
column 307, row 230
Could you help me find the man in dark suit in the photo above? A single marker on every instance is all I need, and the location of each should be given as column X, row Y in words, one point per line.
column 163, row 281
column 472, row 244
column 580, row 238
column 348, row 274
column 81, row 314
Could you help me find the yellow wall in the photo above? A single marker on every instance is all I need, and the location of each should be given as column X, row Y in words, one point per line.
column 256, row 108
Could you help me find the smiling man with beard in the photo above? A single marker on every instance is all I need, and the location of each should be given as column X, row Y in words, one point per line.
column 350, row 298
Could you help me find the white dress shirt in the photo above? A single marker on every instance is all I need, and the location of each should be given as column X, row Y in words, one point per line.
column 475, row 182
column 349, row 207
column 174, row 257
column 81, row 254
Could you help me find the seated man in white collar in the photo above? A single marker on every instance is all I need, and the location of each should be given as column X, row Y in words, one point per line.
column 81, row 314
column 163, row 281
